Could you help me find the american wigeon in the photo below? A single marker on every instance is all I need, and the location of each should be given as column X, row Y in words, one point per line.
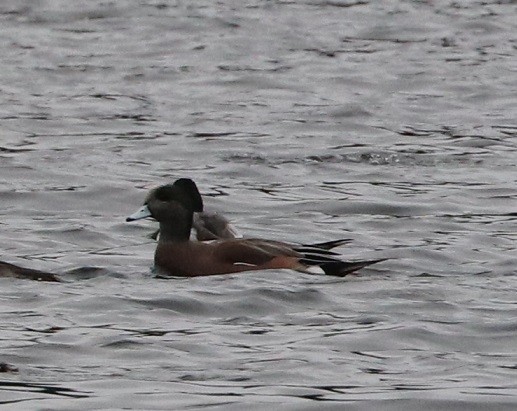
column 173, row 206
column 213, row 226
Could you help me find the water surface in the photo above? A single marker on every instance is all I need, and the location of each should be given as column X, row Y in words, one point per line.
column 391, row 123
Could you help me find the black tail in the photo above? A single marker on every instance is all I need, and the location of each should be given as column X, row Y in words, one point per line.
column 328, row 245
column 320, row 254
column 341, row 268
column 320, row 249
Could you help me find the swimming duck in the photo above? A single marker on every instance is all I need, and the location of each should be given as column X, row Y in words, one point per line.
column 174, row 205
column 212, row 226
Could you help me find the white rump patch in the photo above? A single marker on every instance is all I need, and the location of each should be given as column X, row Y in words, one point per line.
column 314, row 269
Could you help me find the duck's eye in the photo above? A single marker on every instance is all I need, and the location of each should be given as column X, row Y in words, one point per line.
column 165, row 193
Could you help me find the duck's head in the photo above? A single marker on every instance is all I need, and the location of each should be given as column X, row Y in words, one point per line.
column 173, row 206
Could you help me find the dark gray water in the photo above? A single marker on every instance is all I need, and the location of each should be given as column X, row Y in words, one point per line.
column 392, row 123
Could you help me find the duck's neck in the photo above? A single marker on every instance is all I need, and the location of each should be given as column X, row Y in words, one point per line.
column 175, row 231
